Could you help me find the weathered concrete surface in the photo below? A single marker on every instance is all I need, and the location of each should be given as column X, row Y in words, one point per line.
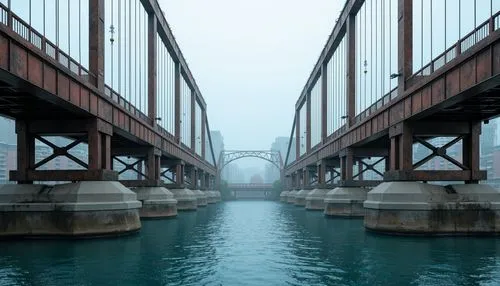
column 73, row 210
column 284, row 196
column 300, row 197
column 217, row 196
column 315, row 200
column 346, row 202
column 292, row 196
column 157, row 202
column 201, row 198
column 211, row 197
column 186, row 199
column 418, row 208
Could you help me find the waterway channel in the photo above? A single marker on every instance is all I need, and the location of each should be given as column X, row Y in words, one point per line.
column 252, row 243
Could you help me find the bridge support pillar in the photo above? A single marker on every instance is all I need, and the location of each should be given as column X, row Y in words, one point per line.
column 186, row 199
column 315, row 200
column 201, row 198
column 157, row 200
column 308, row 174
column 288, row 186
column 348, row 197
column 407, row 204
column 292, row 195
column 94, row 204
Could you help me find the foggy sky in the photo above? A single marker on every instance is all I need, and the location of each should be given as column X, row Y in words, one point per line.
column 251, row 60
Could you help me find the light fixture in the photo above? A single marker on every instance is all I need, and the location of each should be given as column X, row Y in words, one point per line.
column 112, row 32
column 158, row 118
column 344, row 116
column 365, row 64
column 395, row 75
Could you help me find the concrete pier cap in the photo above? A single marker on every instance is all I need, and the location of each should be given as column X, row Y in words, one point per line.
column 284, row 196
column 79, row 209
column 292, row 196
column 315, row 200
column 300, row 197
column 346, row 201
column 157, row 202
column 410, row 208
column 186, row 199
column 211, row 197
column 201, row 198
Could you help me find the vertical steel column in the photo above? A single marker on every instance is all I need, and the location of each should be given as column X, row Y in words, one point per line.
column 401, row 152
column 152, row 67
column 96, row 42
column 203, row 135
column 324, row 101
column 321, row 169
column 179, row 173
column 470, row 152
column 360, row 169
column 193, row 175
column 351, row 70
column 153, row 164
column 405, row 42
column 193, row 122
column 297, row 134
column 346, row 165
column 177, row 90
column 308, row 122
column 306, row 180
column 25, row 151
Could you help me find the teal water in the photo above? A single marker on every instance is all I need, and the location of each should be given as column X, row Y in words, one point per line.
column 253, row 243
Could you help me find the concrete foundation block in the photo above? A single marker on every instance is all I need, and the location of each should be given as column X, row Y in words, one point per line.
column 300, row 197
column 410, row 208
column 69, row 210
column 201, row 198
column 292, row 195
column 346, row 202
column 211, row 197
column 217, row 196
column 186, row 199
column 315, row 200
column 157, row 202
column 284, row 196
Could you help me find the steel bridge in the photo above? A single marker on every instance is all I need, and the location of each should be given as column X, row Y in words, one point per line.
column 251, row 191
column 111, row 77
column 393, row 74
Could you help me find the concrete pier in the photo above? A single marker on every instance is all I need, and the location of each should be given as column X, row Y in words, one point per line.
column 300, row 197
column 157, row 202
column 315, row 200
column 292, row 196
column 201, row 198
column 410, row 208
column 68, row 210
column 346, row 202
column 211, row 197
column 186, row 199
column 284, row 196
column 217, row 195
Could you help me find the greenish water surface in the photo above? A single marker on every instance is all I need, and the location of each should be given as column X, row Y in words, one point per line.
column 252, row 243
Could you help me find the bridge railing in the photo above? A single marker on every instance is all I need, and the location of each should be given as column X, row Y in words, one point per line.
column 27, row 32
column 480, row 33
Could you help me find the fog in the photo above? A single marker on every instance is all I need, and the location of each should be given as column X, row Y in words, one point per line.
column 251, row 60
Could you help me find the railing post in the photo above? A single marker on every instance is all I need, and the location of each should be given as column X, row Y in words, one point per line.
column 152, row 68
column 405, row 43
column 351, row 71
column 96, row 42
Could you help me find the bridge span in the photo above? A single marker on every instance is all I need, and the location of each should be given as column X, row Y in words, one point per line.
column 394, row 74
column 108, row 75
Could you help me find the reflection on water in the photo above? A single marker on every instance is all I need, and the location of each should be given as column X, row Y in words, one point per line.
column 252, row 243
